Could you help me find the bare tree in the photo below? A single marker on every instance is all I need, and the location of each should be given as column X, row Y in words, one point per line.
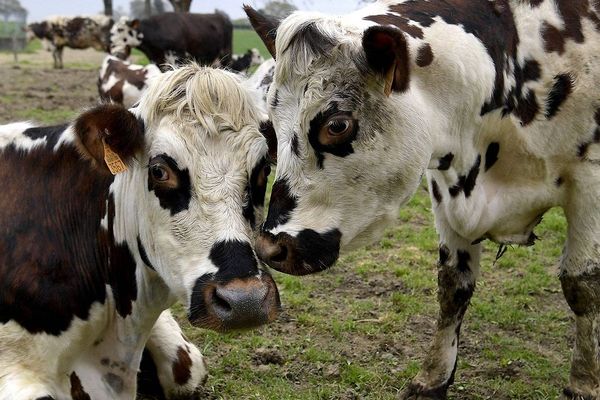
column 108, row 8
column 181, row 5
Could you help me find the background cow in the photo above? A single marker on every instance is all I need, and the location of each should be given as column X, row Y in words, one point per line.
column 241, row 63
column 496, row 101
column 172, row 37
column 122, row 82
column 76, row 33
column 89, row 261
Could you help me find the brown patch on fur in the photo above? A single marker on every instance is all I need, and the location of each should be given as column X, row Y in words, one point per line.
column 425, row 55
column 182, row 367
column 116, row 126
column 54, row 255
column 553, row 38
column 122, row 73
column 77, row 391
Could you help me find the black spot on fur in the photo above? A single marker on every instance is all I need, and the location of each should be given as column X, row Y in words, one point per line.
column 45, row 398
column 472, row 177
column 444, row 254
column 435, row 190
column 463, row 295
column 234, row 259
column 562, row 88
column 275, row 100
column 466, row 183
column 173, row 199
column 51, row 133
column 463, row 261
column 281, row 206
column 295, row 145
column 445, row 162
column 582, row 149
column 559, row 181
column 491, row 155
column 143, row 254
column 531, row 71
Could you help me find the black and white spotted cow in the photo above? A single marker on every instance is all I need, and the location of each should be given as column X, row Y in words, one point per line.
column 497, row 102
column 175, row 37
column 89, row 261
column 261, row 80
column 241, row 63
column 122, row 82
column 75, row 32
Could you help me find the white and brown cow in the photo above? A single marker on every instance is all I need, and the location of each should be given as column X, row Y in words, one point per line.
column 89, row 261
column 496, row 101
column 75, row 32
column 122, row 82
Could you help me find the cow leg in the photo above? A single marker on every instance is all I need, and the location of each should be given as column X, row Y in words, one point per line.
column 178, row 364
column 580, row 280
column 60, row 57
column 458, row 268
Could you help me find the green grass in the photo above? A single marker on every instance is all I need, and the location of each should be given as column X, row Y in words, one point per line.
column 244, row 39
column 361, row 329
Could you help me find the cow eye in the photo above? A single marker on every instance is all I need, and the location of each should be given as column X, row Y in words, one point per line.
column 159, row 173
column 338, row 129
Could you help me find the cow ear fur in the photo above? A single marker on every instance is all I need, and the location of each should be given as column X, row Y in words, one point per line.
column 387, row 54
column 135, row 24
column 112, row 126
column 266, row 27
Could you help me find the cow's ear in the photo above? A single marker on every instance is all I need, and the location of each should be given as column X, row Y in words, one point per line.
column 387, row 54
column 267, row 130
column 109, row 136
column 265, row 26
column 135, row 24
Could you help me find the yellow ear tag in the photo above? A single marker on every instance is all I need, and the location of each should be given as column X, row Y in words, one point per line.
column 112, row 160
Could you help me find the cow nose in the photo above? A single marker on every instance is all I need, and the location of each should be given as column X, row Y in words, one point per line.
column 238, row 304
column 270, row 250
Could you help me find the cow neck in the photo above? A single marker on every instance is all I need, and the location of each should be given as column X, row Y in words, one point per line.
column 129, row 209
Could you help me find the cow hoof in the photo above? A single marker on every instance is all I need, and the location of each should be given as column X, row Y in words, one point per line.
column 189, row 384
column 416, row 391
column 569, row 394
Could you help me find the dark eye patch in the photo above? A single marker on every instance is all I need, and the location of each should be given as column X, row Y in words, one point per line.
column 256, row 189
column 174, row 199
column 340, row 149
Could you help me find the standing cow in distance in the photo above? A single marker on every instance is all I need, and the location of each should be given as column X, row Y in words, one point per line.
column 74, row 32
column 175, row 37
column 497, row 102
column 89, row 261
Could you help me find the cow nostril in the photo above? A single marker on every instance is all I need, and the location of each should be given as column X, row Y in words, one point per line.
column 281, row 255
column 221, row 302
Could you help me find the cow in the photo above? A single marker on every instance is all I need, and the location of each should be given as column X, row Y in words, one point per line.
column 174, row 37
column 116, row 216
column 76, row 32
column 496, row 102
column 122, row 82
column 260, row 81
column 241, row 63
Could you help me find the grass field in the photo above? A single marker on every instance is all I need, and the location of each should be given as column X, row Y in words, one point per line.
column 359, row 330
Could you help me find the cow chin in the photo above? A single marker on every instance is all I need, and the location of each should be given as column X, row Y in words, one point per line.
column 240, row 303
column 306, row 253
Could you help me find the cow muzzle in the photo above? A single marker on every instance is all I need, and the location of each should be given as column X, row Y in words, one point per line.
column 307, row 253
column 240, row 303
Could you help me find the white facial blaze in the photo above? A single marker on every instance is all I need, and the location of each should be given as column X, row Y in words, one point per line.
column 213, row 142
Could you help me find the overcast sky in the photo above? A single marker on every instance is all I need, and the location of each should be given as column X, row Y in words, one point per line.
column 38, row 9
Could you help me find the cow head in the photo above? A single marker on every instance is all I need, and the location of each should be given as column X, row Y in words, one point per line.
column 193, row 190
column 351, row 147
column 37, row 30
column 125, row 35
